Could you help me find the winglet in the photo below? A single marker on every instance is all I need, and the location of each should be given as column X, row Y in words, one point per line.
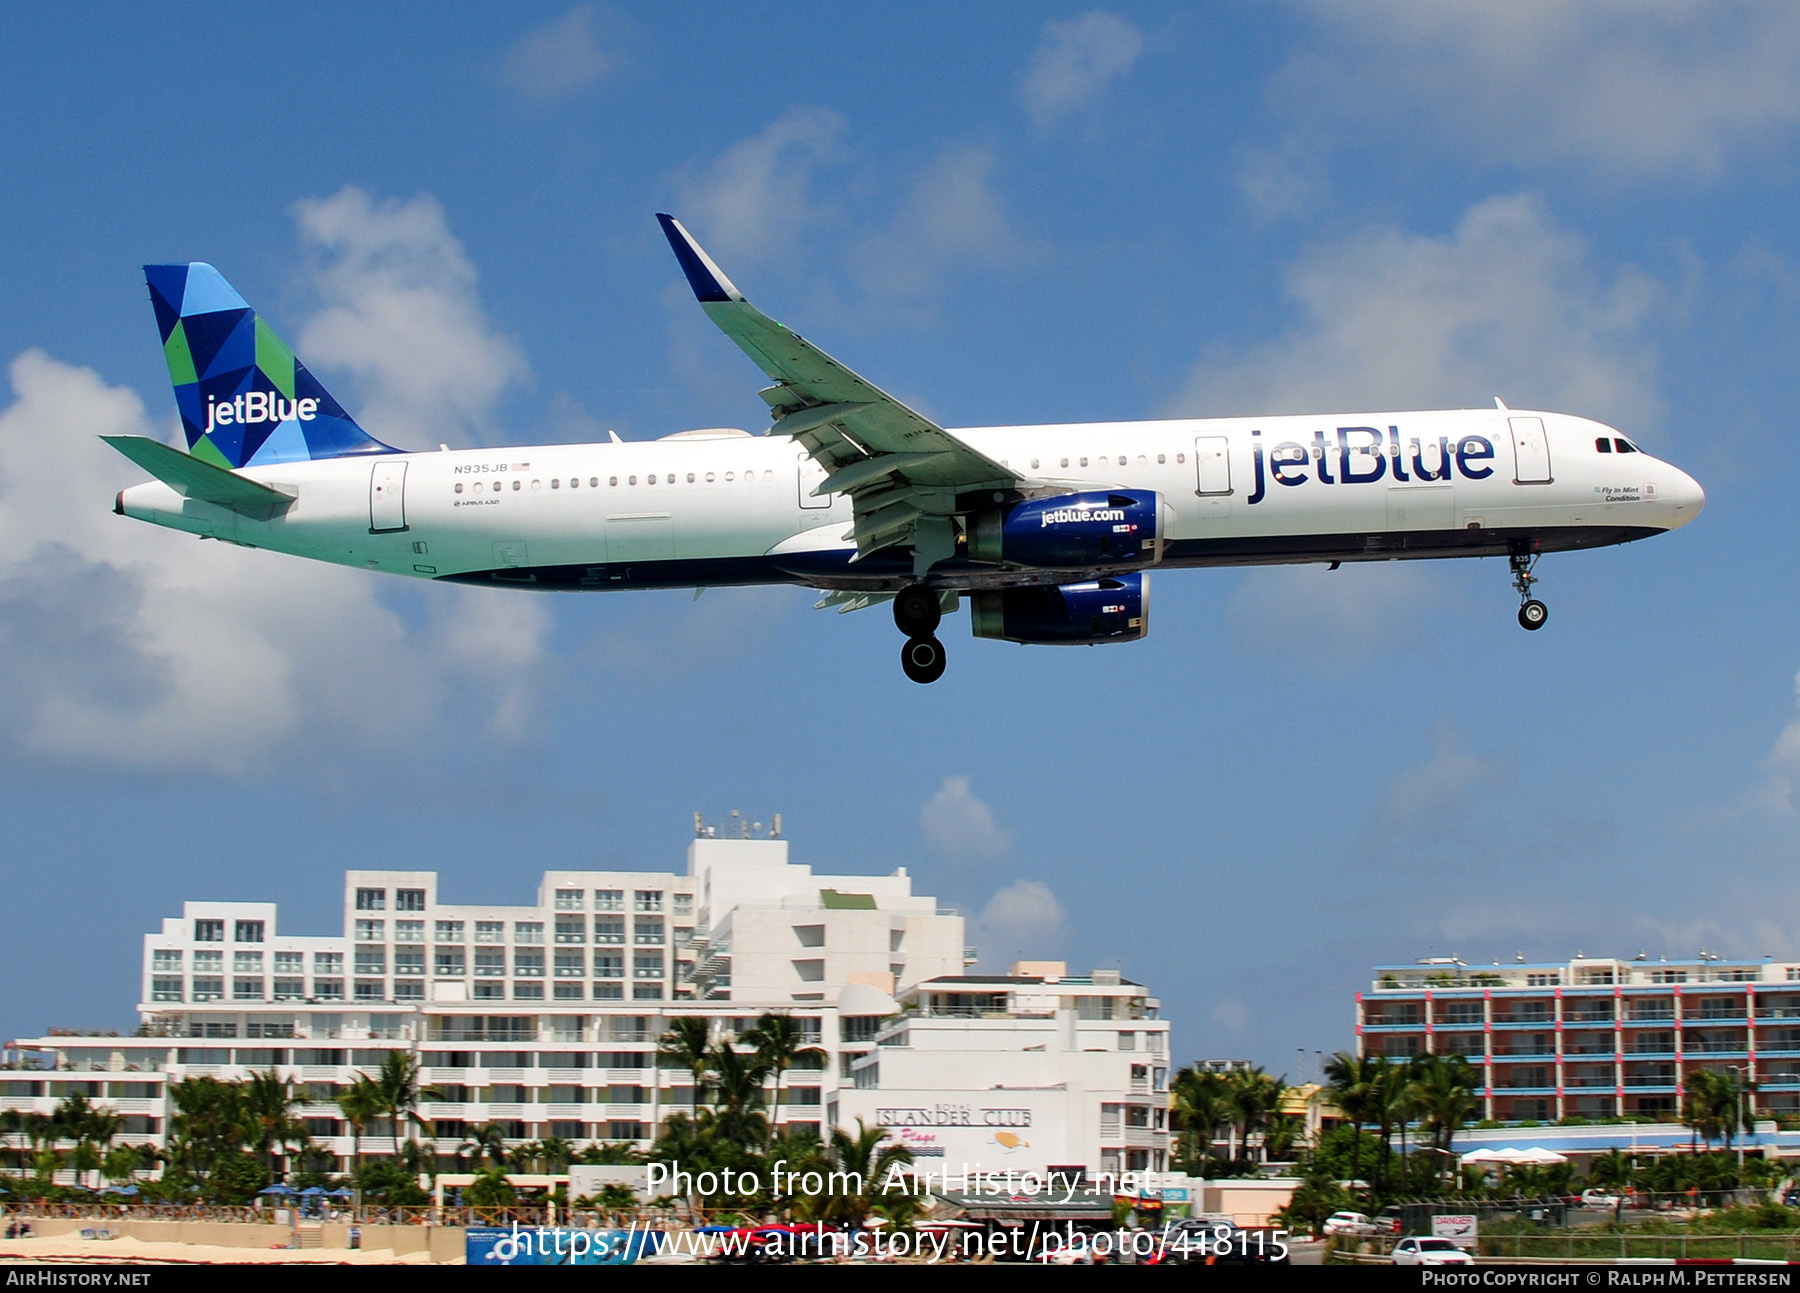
column 707, row 279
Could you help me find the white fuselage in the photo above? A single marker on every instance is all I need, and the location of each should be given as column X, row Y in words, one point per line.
column 722, row 507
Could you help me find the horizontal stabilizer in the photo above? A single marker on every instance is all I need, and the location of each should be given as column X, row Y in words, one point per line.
column 192, row 477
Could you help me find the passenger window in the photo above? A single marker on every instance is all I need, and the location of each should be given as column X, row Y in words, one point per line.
column 537, row 484
column 690, row 478
column 1121, row 460
column 496, row 487
column 517, row 484
column 1603, row 445
column 1065, row 462
column 1625, row 446
column 728, row 476
column 612, row 480
column 459, row 487
column 1034, row 463
column 709, row 478
column 1181, row 457
column 556, row 482
column 594, row 482
column 1141, row 461
column 1161, row 459
column 1084, row 462
column 631, row 480
column 768, row 475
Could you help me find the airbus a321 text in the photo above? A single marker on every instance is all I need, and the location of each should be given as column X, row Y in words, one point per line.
column 1049, row 532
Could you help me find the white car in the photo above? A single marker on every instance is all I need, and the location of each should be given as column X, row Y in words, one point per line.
column 1350, row 1223
column 1599, row 1199
column 1427, row 1250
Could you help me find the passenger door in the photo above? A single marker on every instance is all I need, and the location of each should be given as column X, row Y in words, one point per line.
column 387, row 496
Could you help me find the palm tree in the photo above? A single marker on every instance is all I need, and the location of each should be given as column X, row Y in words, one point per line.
column 208, row 1126
column 487, row 1140
column 736, row 1086
column 1444, row 1091
column 269, row 1112
column 687, row 1043
column 1709, row 1104
column 361, row 1104
column 779, row 1042
column 1354, row 1083
column 399, row 1092
column 555, row 1153
column 1199, row 1106
column 859, row 1166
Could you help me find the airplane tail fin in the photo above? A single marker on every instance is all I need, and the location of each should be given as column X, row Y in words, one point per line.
column 245, row 399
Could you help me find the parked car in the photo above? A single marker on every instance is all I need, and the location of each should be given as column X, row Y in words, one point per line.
column 1428, row 1250
column 1350, row 1223
column 1387, row 1221
column 1599, row 1199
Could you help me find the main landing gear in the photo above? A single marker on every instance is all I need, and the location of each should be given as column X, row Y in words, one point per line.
column 917, row 612
column 1532, row 612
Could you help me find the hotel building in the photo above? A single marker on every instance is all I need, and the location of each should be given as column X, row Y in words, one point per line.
column 1594, row 1038
column 545, row 1019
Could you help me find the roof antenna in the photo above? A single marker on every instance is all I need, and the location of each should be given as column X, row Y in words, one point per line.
column 1501, row 405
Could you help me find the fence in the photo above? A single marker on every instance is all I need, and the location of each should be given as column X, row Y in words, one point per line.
column 1573, row 1245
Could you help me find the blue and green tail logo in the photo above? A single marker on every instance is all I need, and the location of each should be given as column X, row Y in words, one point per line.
column 245, row 400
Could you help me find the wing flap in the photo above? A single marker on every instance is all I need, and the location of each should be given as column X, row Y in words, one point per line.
column 192, row 477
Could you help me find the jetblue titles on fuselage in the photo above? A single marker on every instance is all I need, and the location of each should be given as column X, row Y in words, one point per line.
column 1362, row 455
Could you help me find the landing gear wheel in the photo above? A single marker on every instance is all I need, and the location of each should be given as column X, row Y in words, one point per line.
column 1533, row 614
column 922, row 659
column 917, row 611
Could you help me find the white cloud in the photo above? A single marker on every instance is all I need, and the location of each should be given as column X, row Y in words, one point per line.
column 1285, row 181
column 1334, row 620
column 1075, row 60
column 958, row 825
column 1505, row 305
column 557, row 59
column 756, row 196
column 1637, row 86
column 399, row 310
column 1784, row 763
column 129, row 646
column 951, row 216
column 1232, row 1016
column 1024, row 912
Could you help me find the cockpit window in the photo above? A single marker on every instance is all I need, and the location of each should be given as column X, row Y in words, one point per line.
column 1624, row 446
column 1603, row 445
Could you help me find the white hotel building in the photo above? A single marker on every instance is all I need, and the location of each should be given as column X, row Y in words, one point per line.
column 546, row 1018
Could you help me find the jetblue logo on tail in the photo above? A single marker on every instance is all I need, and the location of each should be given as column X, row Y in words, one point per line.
column 259, row 406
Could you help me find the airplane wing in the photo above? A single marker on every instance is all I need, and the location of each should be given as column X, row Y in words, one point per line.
column 193, row 477
column 904, row 473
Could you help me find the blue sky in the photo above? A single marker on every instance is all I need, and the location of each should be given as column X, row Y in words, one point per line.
column 1002, row 213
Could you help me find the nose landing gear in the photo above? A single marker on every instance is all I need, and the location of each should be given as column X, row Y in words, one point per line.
column 1532, row 613
column 917, row 612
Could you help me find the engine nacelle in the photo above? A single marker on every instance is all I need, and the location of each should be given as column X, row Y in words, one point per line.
column 1103, row 610
column 1069, row 531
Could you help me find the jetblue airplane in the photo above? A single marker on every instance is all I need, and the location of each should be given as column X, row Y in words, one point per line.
column 1049, row 531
